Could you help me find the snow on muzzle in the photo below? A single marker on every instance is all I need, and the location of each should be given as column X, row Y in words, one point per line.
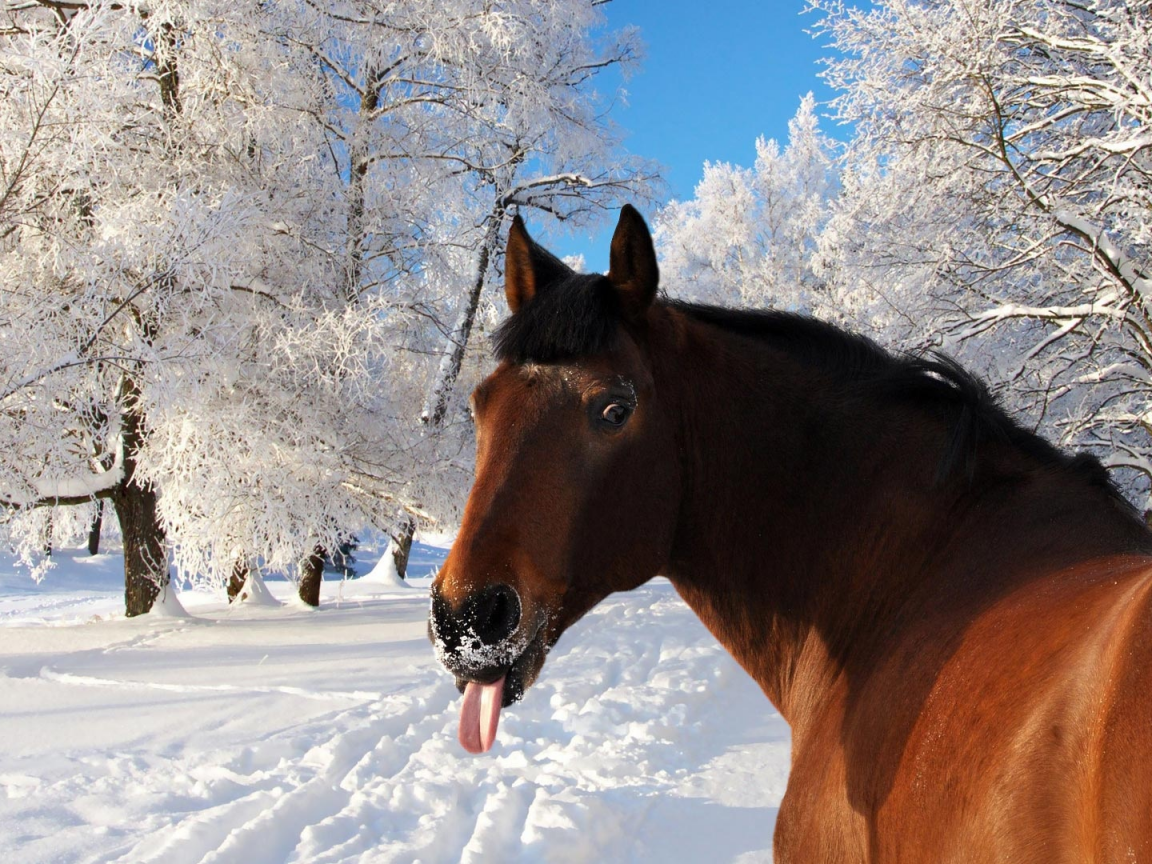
column 482, row 643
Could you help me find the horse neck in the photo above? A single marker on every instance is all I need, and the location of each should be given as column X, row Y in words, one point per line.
column 811, row 526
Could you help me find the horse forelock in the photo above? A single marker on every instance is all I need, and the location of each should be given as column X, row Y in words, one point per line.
column 573, row 317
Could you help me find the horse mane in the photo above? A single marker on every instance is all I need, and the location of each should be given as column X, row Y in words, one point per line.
column 580, row 314
column 935, row 382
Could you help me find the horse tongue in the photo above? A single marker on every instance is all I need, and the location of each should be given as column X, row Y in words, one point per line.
column 480, row 715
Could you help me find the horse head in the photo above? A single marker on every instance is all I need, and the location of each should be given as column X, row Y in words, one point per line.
column 576, row 486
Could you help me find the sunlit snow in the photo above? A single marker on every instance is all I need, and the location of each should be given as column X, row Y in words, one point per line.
column 275, row 733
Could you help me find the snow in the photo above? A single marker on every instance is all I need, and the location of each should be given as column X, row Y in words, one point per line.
column 255, row 593
column 385, row 575
column 272, row 733
column 168, row 605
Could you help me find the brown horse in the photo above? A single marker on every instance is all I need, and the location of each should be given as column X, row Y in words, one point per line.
column 954, row 616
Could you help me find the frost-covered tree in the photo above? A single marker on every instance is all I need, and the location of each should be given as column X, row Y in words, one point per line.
column 540, row 140
column 997, row 198
column 749, row 234
column 485, row 110
column 123, row 169
column 230, row 237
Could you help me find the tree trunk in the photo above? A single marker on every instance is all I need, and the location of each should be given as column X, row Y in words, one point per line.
column 237, row 579
column 402, row 546
column 95, row 527
column 311, row 575
column 145, row 553
column 359, row 162
column 48, row 536
column 436, row 405
column 145, row 549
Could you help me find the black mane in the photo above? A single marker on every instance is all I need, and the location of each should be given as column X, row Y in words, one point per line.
column 936, row 381
column 580, row 315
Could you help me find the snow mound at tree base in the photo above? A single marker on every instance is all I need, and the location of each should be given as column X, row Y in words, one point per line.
column 168, row 604
column 384, row 574
column 255, row 593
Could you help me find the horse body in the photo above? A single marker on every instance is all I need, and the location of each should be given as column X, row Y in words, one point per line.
column 957, row 659
column 954, row 617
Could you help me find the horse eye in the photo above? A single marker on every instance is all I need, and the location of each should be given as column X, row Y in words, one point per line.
column 616, row 413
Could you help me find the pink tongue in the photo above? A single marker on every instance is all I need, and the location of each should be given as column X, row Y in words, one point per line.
column 480, row 715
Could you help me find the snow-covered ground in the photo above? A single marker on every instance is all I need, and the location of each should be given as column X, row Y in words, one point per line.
column 275, row 733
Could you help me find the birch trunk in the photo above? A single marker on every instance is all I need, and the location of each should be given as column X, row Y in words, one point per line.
column 402, row 546
column 436, row 405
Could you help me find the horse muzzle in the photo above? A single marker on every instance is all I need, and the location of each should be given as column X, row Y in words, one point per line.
column 487, row 638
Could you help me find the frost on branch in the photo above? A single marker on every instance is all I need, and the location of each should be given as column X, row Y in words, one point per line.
column 233, row 241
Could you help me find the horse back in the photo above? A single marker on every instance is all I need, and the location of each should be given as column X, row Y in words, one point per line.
column 1052, row 740
column 1025, row 737
column 1123, row 757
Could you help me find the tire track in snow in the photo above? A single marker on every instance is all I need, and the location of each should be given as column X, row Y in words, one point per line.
column 198, row 836
column 268, row 838
column 300, row 816
column 499, row 828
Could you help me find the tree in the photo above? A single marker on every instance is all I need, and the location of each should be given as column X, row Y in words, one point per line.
column 749, row 234
column 439, row 129
column 92, row 106
column 240, row 231
column 539, row 138
column 996, row 199
column 161, row 223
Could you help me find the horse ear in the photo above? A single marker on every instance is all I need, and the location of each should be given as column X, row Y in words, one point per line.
column 527, row 266
column 519, row 276
column 632, row 266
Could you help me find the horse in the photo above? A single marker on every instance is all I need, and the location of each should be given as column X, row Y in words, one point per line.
column 953, row 615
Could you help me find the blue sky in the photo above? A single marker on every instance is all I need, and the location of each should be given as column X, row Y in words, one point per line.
column 717, row 74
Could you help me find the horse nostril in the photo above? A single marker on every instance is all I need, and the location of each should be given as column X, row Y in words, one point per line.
column 494, row 613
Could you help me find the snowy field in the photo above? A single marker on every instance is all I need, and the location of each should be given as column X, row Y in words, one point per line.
column 275, row 733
